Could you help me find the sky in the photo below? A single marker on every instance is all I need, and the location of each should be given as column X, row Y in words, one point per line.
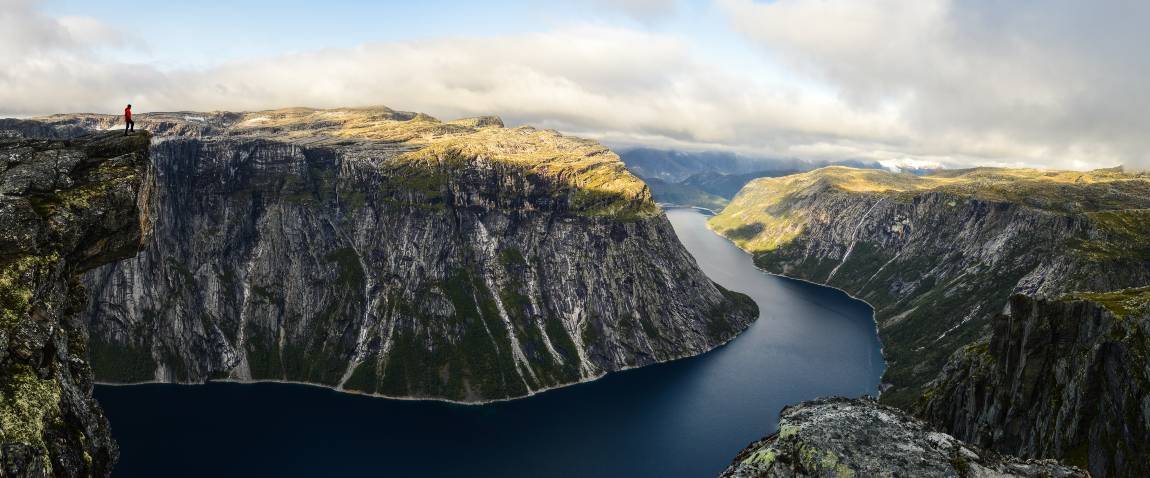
column 925, row 83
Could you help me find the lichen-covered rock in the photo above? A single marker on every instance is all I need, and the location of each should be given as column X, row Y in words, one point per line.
column 939, row 255
column 1065, row 378
column 389, row 253
column 66, row 206
column 839, row 438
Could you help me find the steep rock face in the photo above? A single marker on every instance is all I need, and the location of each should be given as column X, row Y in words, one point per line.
column 1063, row 379
column 390, row 253
column 840, row 438
column 938, row 256
column 66, row 206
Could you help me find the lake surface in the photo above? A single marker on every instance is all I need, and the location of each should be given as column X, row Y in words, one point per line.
column 682, row 419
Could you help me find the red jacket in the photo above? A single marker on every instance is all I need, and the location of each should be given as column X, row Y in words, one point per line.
column 127, row 114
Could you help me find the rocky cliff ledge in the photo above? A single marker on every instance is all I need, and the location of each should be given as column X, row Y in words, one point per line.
column 938, row 256
column 390, row 253
column 66, row 206
column 840, row 438
column 1064, row 378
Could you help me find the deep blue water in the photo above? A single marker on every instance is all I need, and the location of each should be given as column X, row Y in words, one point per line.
column 682, row 419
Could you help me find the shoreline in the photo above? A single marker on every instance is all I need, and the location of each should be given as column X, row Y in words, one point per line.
column 530, row 394
column 877, row 332
column 533, row 393
column 668, row 205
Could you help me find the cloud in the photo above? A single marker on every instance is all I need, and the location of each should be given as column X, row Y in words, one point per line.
column 642, row 10
column 920, row 81
column 1056, row 81
column 55, row 64
column 624, row 86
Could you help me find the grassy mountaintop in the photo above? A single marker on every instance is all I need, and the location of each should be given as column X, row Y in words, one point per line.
column 600, row 183
column 1110, row 196
column 1065, row 191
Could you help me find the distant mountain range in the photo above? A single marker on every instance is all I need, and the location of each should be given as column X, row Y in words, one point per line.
column 711, row 179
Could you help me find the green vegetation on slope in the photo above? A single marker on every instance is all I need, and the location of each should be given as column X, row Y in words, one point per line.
column 1124, row 234
column 17, row 278
column 26, row 401
column 1121, row 303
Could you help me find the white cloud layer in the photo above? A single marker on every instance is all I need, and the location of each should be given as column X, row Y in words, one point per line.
column 1050, row 81
column 1058, row 83
column 642, row 10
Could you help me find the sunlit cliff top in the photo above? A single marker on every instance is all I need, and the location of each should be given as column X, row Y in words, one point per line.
column 1067, row 191
column 417, row 137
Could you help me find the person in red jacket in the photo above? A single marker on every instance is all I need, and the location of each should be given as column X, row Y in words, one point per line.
column 129, row 125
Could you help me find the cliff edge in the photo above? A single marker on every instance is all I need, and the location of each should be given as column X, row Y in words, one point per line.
column 66, row 206
column 390, row 253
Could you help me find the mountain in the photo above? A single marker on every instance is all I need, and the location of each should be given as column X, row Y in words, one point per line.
column 709, row 190
column 1057, row 371
column 710, row 179
column 1063, row 377
column 389, row 253
column 939, row 255
column 728, row 185
column 66, row 206
column 676, row 166
column 838, row 437
column 683, row 195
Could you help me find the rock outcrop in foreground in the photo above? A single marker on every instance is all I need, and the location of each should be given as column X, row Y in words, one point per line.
column 1065, row 378
column 390, row 253
column 840, row 438
column 939, row 255
column 66, row 206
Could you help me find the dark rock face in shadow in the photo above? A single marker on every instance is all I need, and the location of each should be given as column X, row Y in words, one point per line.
column 66, row 206
column 1064, row 379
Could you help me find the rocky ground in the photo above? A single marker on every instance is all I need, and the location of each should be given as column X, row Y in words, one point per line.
column 839, row 438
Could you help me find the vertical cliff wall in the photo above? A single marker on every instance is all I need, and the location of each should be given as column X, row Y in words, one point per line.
column 66, row 206
column 1064, row 378
column 389, row 253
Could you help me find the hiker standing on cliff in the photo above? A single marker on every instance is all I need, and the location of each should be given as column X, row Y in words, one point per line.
column 129, row 125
